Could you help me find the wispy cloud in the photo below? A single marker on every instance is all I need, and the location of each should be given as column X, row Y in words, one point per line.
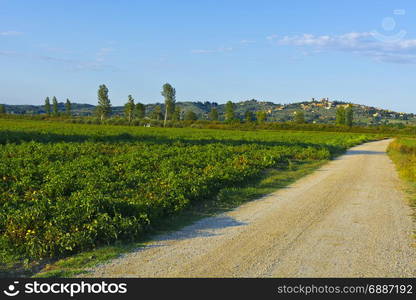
column 218, row 50
column 103, row 53
column 7, row 53
column 362, row 43
column 10, row 33
column 45, row 47
column 272, row 37
column 93, row 66
column 96, row 64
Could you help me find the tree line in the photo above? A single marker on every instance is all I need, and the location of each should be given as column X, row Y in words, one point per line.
column 174, row 113
column 132, row 110
column 53, row 110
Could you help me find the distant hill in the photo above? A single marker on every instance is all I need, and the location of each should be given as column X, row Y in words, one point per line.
column 322, row 111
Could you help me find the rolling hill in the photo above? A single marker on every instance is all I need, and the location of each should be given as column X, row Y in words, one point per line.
column 322, row 111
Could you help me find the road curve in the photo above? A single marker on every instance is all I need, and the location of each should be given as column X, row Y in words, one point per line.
column 348, row 219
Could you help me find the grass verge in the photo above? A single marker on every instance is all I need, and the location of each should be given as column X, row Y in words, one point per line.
column 402, row 152
column 227, row 199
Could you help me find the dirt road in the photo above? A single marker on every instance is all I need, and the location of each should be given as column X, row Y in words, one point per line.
column 347, row 219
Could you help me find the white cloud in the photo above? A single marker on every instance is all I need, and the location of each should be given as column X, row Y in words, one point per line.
column 10, row 33
column 385, row 49
column 272, row 37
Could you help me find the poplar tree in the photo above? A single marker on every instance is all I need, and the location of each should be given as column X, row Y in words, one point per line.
column 340, row 116
column 104, row 104
column 68, row 107
column 349, row 116
column 47, row 106
column 55, row 106
column 229, row 111
column 129, row 109
column 170, row 98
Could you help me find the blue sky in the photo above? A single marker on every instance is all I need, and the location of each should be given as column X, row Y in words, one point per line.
column 279, row 51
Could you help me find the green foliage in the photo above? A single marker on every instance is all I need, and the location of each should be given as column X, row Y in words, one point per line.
column 249, row 116
column 2, row 109
column 140, row 110
column 340, row 116
column 299, row 117
column 65, row 188
column 176, row 114
column 55, row 106
column 229, row 111
column 157, row 113
column 349, row 116
column 47, row 106
column 68, row 107
column 169, row 93
column 213, row 114
column 190, row 116
column 129, row 109
column 104, row 104
column 261, row 116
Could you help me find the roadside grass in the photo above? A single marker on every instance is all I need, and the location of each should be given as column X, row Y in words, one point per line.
column 402, row 152
column 228, row 198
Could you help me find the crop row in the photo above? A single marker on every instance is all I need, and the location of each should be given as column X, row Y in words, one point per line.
column 65, row 188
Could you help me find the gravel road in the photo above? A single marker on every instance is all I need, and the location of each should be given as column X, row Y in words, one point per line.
column 350, row 218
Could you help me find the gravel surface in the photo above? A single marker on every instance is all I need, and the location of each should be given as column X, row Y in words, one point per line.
column 350, row 218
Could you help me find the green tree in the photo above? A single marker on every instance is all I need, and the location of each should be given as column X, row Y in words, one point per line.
column 213, row 114
column 2, row 109
column 68, row 107
column 47, row 106
column 157, row 113
column 249, row 116
column 190, row 116
column 261, row 116
column 104, row 104
column 140, row 110
column 349, row 116
column 340, row 116
column 229, row 111
column 55, row 106
column 129, row 109
column 299, row 117
column 176, row 114
column 170, row 98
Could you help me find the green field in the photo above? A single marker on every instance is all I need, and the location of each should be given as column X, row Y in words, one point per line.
column 67, row 188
